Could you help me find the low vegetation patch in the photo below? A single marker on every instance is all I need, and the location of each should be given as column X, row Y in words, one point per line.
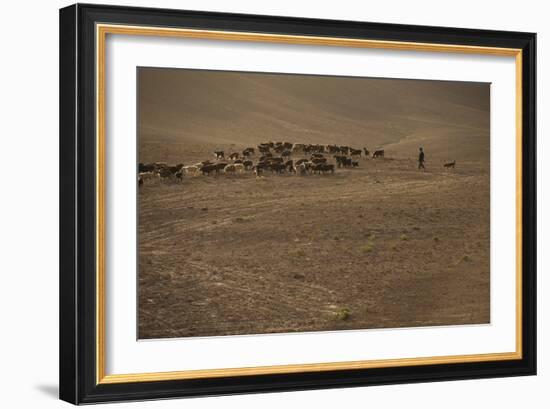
column 243, row 219
column 368, row 248
column 342, row 314
column 297, row 253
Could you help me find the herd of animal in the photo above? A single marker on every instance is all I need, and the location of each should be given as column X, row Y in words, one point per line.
column 273, row 157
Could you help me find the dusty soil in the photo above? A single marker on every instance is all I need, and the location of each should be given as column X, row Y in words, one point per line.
column 381, row 246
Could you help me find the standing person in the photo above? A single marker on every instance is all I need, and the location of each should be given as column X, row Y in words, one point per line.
column 421, row 160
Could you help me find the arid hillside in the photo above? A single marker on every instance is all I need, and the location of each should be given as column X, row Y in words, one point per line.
column 221, row 109
column 379, row 245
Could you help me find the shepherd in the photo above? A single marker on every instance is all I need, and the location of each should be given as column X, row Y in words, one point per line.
column 421, row 160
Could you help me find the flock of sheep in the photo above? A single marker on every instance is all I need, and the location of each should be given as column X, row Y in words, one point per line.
column 273, row 157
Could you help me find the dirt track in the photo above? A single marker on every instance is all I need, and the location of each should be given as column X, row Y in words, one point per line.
column 380, row 246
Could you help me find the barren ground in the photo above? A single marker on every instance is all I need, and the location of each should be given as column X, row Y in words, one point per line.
column 380, row 246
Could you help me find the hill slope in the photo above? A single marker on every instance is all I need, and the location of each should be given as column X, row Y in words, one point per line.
column 222, row 108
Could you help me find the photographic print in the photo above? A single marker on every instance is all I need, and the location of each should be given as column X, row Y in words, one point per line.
column 276, row 203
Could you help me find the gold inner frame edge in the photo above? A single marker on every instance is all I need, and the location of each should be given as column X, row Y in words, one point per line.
column 101, row 32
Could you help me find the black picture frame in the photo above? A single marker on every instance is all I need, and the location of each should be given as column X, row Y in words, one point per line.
column 78, row 360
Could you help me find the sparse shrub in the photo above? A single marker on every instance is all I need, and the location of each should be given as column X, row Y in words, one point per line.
column 342, row 314
column 297, row 253
column 243, row 219
column 436, row 239
column 466, row 258
column 416, row 228
column 367, row 248
column 404, row 237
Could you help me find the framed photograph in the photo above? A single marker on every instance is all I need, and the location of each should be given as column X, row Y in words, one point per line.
column 256, row 203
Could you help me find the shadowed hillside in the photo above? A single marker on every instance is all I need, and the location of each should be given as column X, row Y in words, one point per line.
column 224, row 108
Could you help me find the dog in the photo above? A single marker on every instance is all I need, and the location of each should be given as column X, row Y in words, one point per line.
column 449, row 165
